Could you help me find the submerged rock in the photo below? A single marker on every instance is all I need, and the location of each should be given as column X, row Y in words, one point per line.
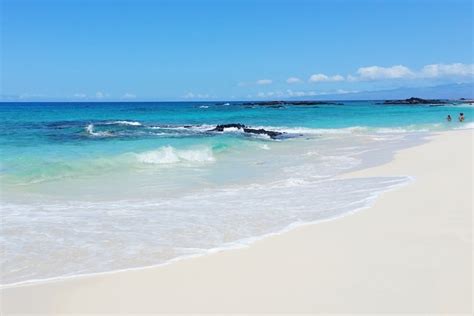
column 272, row 134
column 314, row 103
column 261, row 131
column 466, row 101
column 278, row 104
column 414, row 101
column 222, row 127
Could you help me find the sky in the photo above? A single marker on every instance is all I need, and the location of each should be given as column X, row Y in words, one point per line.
column 101, row 50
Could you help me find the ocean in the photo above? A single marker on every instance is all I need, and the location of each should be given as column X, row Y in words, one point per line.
column 97, row 187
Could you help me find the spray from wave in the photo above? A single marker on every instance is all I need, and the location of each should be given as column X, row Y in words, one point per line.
column 128, row 128
column 126, row 123
column 310, row 131
column 170, row 155
column 90, row 129
column 469, row 125
column 192, row 128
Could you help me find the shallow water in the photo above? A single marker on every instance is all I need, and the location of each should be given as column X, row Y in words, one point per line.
column 95, row 187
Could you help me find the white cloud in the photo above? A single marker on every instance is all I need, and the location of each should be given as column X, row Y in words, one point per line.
column 80, row 95
column 458, row 71
column 337, row 78
column 325, row 78
column 342, row 91
column 292, row 80
column 264, row 81
column 129, row 96
column 352, row 78
column 99, row 95
column 292, row 93
column 275, row 94
column 318, row 78
column 191, row 95
column 447, row 70
column 454, row 70
column 377, row 72
column 308, row 93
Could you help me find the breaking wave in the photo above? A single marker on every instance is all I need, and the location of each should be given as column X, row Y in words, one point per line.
column 469, row 125
column 171, row 155
column 90, row 129
column 191, row 128
column 210, row 129
column 127, row 123
column 315, row 131
column 352, row 130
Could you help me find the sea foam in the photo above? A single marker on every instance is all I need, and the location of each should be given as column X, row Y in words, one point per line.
column 129, row 123
column 122, row 234
column 171, row 155
column 90, row 129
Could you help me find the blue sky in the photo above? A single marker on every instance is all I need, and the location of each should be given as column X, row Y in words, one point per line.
column 224, row 50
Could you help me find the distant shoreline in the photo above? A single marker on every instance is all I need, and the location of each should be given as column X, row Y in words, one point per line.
column 250, row 102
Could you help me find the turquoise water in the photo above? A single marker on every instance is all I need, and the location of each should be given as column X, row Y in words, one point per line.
column 40, row 141
column 95, row 187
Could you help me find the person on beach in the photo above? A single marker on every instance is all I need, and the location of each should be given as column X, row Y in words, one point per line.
column 449, row 118
column 461, row 117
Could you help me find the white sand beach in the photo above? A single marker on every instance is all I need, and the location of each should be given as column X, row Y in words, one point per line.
column 411, row 252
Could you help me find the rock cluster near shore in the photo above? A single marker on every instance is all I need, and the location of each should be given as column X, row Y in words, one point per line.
column 282, row 103
column 261, row 131
column 466, row 101
column 415, row 101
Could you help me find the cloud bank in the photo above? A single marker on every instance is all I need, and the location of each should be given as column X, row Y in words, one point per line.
column 325, row 78
column 441, row 70
column 374, row 73
column 432, row 71
column 191, row 95
column 292, row 80
column 377, row 72
column 264, row 81
column 129, row 95
column 395, row 72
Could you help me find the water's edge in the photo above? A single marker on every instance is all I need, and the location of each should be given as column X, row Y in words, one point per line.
column 246, row 242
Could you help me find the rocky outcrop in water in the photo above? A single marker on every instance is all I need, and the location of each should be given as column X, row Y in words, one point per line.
column 466, row 101
column 222, row 127
column 415, row 101
column 272, row 134
column 261, row 131
column 277, row 104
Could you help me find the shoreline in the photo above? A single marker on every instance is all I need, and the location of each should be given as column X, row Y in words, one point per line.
column 13, row 293
column 385, row 156
column 238, row 244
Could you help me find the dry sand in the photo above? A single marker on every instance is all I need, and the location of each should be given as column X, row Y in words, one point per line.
column 409, row 253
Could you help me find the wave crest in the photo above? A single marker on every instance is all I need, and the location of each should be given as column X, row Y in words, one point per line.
column 317, row 131
column 171, row 155
column 128, row 123
column 91, row 131
column 469, row 125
